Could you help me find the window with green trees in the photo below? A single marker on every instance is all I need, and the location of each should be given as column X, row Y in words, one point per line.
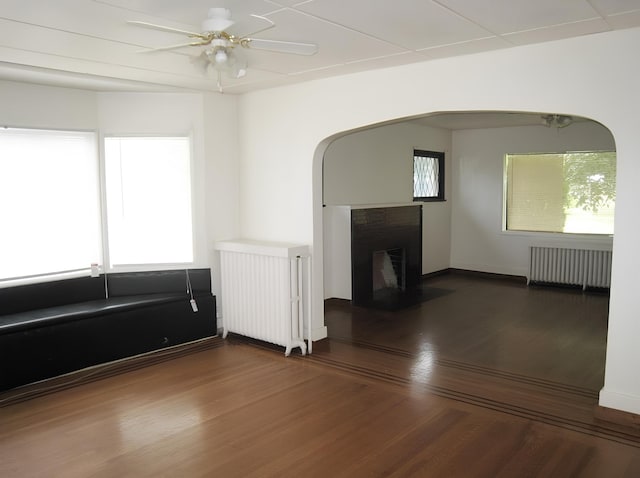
column 571, row 192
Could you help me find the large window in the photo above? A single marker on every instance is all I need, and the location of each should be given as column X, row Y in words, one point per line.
column 53, row 220
column 569, row 193
column 428, row 176
column 49, row 202
column 148, row 184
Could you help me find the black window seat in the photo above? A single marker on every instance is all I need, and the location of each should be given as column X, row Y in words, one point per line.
column 54, row 328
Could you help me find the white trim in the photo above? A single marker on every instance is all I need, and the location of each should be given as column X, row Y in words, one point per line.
column 319, row 333
column 154, row 267
column 103, row 201
column 45, row 278
column 619, row 401
column 599, row 242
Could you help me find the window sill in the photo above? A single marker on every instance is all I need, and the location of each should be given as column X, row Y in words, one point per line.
column 593, row 241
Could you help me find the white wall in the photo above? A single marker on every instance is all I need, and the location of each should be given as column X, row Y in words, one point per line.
column 34, row 106
column 478, row 241
column 375, row 166
column 284, row 133
column 222, row 170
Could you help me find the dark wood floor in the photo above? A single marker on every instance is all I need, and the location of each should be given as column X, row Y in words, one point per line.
column 535, row 352
column 381, row 397
column 543, row 332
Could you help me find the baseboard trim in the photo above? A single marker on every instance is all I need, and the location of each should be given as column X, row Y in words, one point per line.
column 98, row 372
column 484, row 275
column 619, row 417
column 622, row 402
column 319, row 333
column 441, row 272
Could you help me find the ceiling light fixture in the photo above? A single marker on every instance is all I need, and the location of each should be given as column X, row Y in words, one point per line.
column 556, row 121
column 221, row 57
column 225, row 59
column 224, row 49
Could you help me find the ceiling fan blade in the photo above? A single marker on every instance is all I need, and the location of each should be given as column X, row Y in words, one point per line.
column 173, row 47
column 249, row 26
column 281, row 46
column 162, row 28
column 270, row 24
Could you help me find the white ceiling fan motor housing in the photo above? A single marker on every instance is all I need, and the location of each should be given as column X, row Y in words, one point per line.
column 219, row 19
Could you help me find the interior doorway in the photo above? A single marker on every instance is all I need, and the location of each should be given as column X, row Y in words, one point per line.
column 466, row 232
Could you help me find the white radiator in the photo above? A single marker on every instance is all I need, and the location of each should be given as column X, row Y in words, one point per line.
column 583, row 267
column 262, row 291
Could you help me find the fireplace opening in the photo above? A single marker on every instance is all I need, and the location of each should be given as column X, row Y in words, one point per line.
column 388, row 273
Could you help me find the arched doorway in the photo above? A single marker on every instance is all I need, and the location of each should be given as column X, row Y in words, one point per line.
column 373, row 166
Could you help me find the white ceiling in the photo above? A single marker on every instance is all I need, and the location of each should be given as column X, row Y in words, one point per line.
column 88, row 44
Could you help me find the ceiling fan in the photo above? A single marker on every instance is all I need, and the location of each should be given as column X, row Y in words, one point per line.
column 223, row 49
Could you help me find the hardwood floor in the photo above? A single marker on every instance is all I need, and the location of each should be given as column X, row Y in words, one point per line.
column 411, row 394
column 535, row 352
column 548, row 333
column 239, row 410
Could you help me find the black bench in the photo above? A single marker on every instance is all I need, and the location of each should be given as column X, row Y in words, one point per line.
column 53, row 328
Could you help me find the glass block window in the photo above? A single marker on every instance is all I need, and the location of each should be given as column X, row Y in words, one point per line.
column 428, row 176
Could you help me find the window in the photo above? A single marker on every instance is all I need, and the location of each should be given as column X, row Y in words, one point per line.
column 428, row 176
column 570, row 193
column 49, row 202
column 148, row 189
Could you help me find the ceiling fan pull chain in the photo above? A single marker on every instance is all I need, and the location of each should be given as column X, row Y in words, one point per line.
column 219, row 81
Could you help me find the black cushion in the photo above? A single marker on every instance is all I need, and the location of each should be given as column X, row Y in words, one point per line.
column 82, row 310
column 50, row 294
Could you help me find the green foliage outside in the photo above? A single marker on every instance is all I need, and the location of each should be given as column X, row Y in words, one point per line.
column 590, row 180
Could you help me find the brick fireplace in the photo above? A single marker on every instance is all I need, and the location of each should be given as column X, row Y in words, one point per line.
column 386, row 256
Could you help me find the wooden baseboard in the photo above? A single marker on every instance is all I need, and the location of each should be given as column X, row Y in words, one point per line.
column 441, row 272
column 484, row 275
column 618, row 417
column 98, row 372
column 337, row 301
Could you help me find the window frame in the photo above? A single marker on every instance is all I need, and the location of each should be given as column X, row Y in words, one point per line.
column 583, row 236
column 440, row 156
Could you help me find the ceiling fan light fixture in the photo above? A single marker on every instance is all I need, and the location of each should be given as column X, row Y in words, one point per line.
column 238, row 70
column 223, row 51
column 227, row 60
column 221, row 56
